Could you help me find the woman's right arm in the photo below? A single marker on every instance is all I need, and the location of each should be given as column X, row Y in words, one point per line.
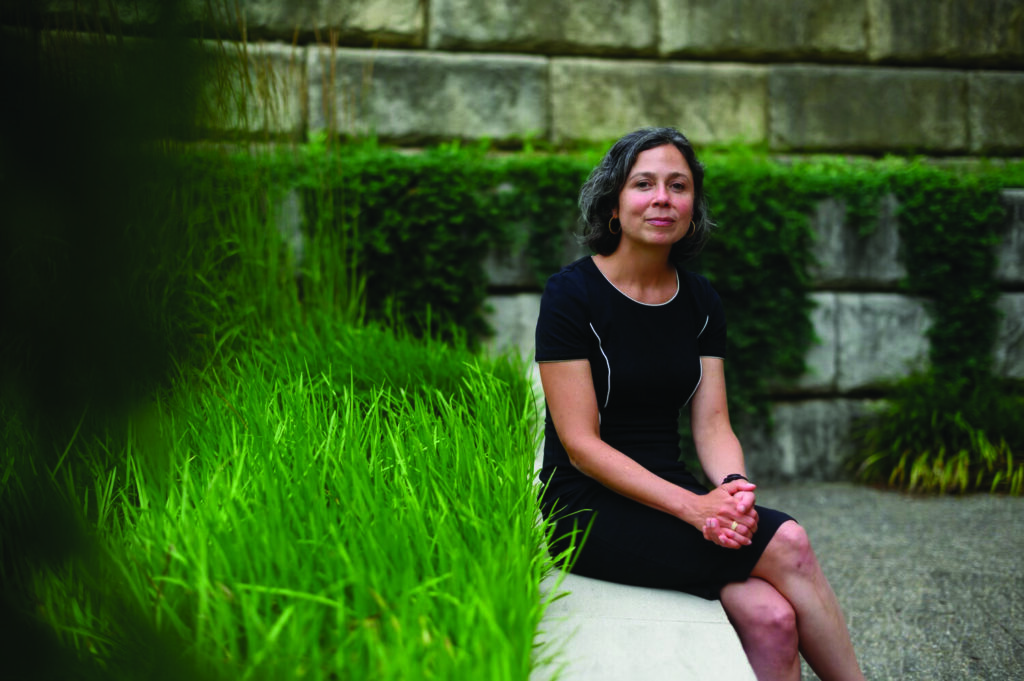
column 569, row 391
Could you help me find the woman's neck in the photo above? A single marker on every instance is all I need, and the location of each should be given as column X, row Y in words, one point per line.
column 648, row 276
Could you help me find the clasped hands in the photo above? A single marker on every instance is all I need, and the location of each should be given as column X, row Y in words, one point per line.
column 731, row 519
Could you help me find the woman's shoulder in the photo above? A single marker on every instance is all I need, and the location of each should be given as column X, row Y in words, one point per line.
column 694, row 277
column 701, row 289
column 577, row 269
column 572, row 277
column 697, row 282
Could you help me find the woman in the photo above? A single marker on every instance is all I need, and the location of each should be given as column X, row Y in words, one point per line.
column 625, row 339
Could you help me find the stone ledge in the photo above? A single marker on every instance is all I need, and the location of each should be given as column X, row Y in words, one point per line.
column 421, row 97
column 873, row 109
column 545, row 26
column 595, row 99
column 602, row 631
column 739, row 29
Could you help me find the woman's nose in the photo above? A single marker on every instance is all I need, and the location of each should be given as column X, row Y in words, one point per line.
column 661, row 194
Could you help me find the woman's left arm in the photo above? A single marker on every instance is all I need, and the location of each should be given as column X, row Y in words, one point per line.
column 718, row 448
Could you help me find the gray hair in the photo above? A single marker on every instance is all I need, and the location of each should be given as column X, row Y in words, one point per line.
column 600, row 193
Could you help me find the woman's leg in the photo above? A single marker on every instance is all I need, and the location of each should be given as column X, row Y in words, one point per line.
column 789, row 564
column 766, row 624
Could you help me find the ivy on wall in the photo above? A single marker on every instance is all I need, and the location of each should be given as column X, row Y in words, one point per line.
column 955, row 427
column 422, row 226
column 949, row 229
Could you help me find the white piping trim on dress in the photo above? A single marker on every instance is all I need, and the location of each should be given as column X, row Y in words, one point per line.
column 699, row 379
column 608, row 393
column 706, row 320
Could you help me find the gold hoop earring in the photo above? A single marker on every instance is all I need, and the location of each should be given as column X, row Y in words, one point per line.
column 610, row 225
column 693, row 228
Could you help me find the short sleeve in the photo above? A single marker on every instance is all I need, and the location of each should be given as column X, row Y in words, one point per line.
column 563, row 320
column 711, row 337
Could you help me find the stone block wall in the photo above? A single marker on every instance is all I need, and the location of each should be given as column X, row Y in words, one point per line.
column 943, row 77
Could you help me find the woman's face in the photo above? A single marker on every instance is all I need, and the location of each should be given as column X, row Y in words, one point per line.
column 656, row 203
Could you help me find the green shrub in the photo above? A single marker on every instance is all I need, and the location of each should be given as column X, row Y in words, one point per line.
column 928, row 437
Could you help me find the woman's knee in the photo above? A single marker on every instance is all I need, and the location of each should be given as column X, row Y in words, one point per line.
column 775, row 618
column 790, row 548
column 765, row 616
column 780, row 620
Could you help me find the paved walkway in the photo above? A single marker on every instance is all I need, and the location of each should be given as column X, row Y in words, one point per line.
column 932, row 588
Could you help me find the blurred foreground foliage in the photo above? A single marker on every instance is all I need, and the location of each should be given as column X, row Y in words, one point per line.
column 214, row 464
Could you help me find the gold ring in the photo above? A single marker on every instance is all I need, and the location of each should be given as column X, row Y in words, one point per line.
column 734, row 524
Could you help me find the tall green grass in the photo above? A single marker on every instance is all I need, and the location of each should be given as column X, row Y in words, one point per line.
column 305, row 496
column 287, row 522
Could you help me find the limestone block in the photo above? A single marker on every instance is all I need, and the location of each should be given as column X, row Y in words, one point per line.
column 787, row 29
column 989, row 31
column 996, row 104
column 867, row 109
column 809, row 440
column 254, row 88
column 821, row 358
column 1010, row 252
column 514, row 320
column 1009, row 349
column 508, row 266
column 881, row 338
column 845, row 258
column 545, row 26
column 416, row 96
column 602, row 100
column 388, row 22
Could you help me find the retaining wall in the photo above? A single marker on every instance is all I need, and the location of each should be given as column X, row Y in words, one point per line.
column 944, row 77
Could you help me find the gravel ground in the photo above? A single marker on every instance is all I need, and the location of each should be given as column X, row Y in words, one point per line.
column 932, row 587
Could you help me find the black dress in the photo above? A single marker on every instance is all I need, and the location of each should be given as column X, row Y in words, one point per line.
column 645, row 362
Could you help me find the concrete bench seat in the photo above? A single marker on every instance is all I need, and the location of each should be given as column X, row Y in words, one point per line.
column 601, row 631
